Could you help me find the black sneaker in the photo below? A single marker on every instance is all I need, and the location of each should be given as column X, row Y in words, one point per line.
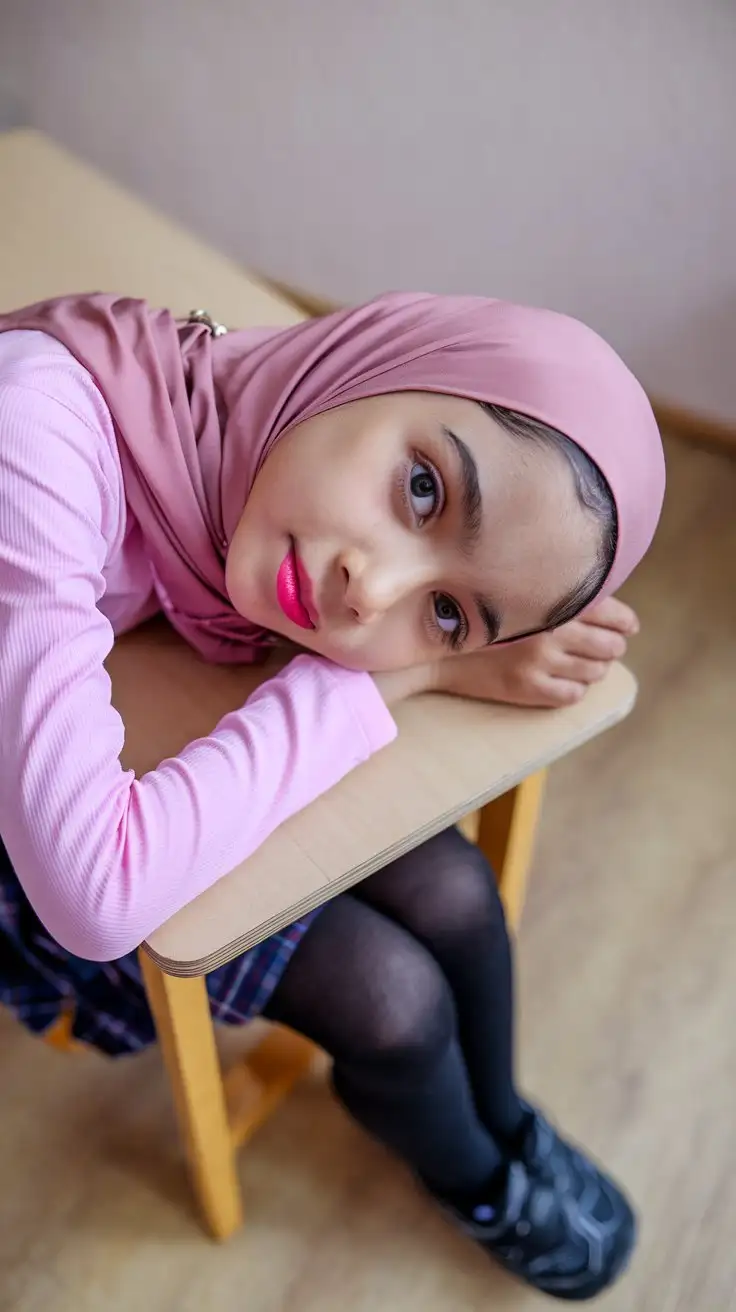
column 560, row 1224
column 556, row 1161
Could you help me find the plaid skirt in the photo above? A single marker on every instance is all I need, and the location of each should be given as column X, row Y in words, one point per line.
column 39, row 980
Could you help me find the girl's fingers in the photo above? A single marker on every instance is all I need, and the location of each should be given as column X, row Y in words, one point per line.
column 612, row 614
column 577, row 669
column 589, row 642
column 551, row 692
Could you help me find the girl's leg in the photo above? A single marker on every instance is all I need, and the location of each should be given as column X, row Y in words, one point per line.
column 391, row 981
column 374, row 998
column 561, row 1223
column 444, row 893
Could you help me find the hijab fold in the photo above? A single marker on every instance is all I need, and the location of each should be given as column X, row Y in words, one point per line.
column 196, row 415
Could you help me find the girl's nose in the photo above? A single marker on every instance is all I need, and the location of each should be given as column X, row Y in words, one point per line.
column 373, row 587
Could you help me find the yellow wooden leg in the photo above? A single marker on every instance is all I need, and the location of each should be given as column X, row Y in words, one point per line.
column 181, row 1011
column 255, row 1087
column 507, row 828
column 59, row 1035
column 469, row 825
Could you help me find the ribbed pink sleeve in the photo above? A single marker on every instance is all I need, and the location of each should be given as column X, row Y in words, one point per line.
column 103, row 857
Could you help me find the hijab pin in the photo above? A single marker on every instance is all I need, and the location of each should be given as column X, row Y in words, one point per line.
column 203, row 317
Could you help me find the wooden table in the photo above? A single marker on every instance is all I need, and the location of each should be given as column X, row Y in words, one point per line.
column 400, row 797
column 64, row 228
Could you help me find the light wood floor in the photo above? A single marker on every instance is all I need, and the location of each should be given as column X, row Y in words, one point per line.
column 628, row 989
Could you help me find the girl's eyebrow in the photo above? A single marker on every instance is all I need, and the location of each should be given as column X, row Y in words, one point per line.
column 472, row 515
column 471, row 499
column 490, row 618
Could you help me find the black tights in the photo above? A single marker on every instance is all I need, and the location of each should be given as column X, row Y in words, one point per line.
column 406, row 982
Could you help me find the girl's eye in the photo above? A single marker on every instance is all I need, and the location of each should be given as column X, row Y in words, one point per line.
column 424, row 491
column 449, row 617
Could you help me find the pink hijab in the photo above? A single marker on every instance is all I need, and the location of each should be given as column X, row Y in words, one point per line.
column 196, row 415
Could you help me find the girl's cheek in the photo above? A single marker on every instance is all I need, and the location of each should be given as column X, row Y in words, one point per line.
column 397, row 652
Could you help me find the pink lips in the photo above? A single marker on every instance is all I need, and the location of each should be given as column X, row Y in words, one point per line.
column 294, row 591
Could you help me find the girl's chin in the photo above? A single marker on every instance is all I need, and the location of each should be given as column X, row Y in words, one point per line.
column 349, row 660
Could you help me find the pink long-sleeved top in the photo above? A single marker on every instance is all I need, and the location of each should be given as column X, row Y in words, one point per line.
column 103, row 857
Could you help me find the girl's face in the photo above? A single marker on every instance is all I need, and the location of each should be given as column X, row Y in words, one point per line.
column 393, row 530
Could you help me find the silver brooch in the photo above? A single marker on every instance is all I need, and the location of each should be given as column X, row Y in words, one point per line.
column 201, row 316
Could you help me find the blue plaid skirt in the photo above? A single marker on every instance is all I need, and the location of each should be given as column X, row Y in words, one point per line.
column 39, row 980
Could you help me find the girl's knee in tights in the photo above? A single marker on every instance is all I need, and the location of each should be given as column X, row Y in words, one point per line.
column 443, row 890
column 367, row 991
column 405, row 1016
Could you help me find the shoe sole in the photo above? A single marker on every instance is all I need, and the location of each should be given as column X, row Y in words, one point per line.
column 606, row 1281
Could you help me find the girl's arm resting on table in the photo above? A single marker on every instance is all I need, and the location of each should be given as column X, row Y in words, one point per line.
column 106, row 858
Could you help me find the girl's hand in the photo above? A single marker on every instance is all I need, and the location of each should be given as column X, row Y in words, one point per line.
column 550, row 669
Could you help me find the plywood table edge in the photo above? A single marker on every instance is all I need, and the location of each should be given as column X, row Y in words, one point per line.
column 186, row 969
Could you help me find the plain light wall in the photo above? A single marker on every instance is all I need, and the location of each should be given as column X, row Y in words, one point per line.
column 574, row 153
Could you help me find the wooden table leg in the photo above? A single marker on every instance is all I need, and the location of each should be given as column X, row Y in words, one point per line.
column 507, row 829
column 184, row 1026
column 59, row 1035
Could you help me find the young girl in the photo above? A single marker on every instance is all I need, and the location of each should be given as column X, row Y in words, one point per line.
column 398, row 488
